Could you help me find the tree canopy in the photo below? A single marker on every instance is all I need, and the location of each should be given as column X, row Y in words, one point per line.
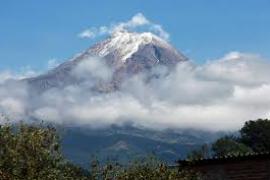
column 229, row 145
column 32, row 152
column 256, row 134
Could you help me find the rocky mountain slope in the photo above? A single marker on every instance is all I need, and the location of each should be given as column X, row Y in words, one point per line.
column 126, row 53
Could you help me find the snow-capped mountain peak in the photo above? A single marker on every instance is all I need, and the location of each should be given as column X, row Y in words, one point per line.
column 125, row 44
column 126, row 53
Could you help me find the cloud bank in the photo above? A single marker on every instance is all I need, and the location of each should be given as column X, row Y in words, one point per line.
column 219, row 95
column 136, row 22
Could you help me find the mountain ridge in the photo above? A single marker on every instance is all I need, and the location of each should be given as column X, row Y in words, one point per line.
column 126, row 53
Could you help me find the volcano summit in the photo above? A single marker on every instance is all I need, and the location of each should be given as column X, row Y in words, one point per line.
column 125, row 53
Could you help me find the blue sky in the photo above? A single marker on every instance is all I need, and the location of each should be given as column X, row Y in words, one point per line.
column 33, row 32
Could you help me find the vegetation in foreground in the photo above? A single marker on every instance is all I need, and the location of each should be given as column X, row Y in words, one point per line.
column 33, row 152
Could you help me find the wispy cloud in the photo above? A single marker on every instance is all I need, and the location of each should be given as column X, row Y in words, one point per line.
column 137, row 21
column 52, row 63
column 24, row 72
column 94, row 32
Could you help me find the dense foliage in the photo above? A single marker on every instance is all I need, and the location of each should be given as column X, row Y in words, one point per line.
column 229, row 145
column 254, row 137
column 33, row 152
column 149, row 168
column 256, row 134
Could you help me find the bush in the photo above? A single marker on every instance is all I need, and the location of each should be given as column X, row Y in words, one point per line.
column 149, row 168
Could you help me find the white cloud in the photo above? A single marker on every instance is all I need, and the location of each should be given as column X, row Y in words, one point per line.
column 13, row 100
column 137, row 21
column 88, row 33
column 52, row 63
column 92, row 69
column 219, row 95
column 7, row 75
column 158, row 29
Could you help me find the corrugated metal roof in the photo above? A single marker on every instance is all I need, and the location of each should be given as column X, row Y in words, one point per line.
column 224, row 159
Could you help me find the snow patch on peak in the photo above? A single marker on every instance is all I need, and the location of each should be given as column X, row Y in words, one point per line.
column 126, row 43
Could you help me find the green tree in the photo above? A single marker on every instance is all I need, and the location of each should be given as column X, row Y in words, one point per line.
column 229, row 145
column 256, row 134
column 32, row 152
column 201, row 153
column 28, row 151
